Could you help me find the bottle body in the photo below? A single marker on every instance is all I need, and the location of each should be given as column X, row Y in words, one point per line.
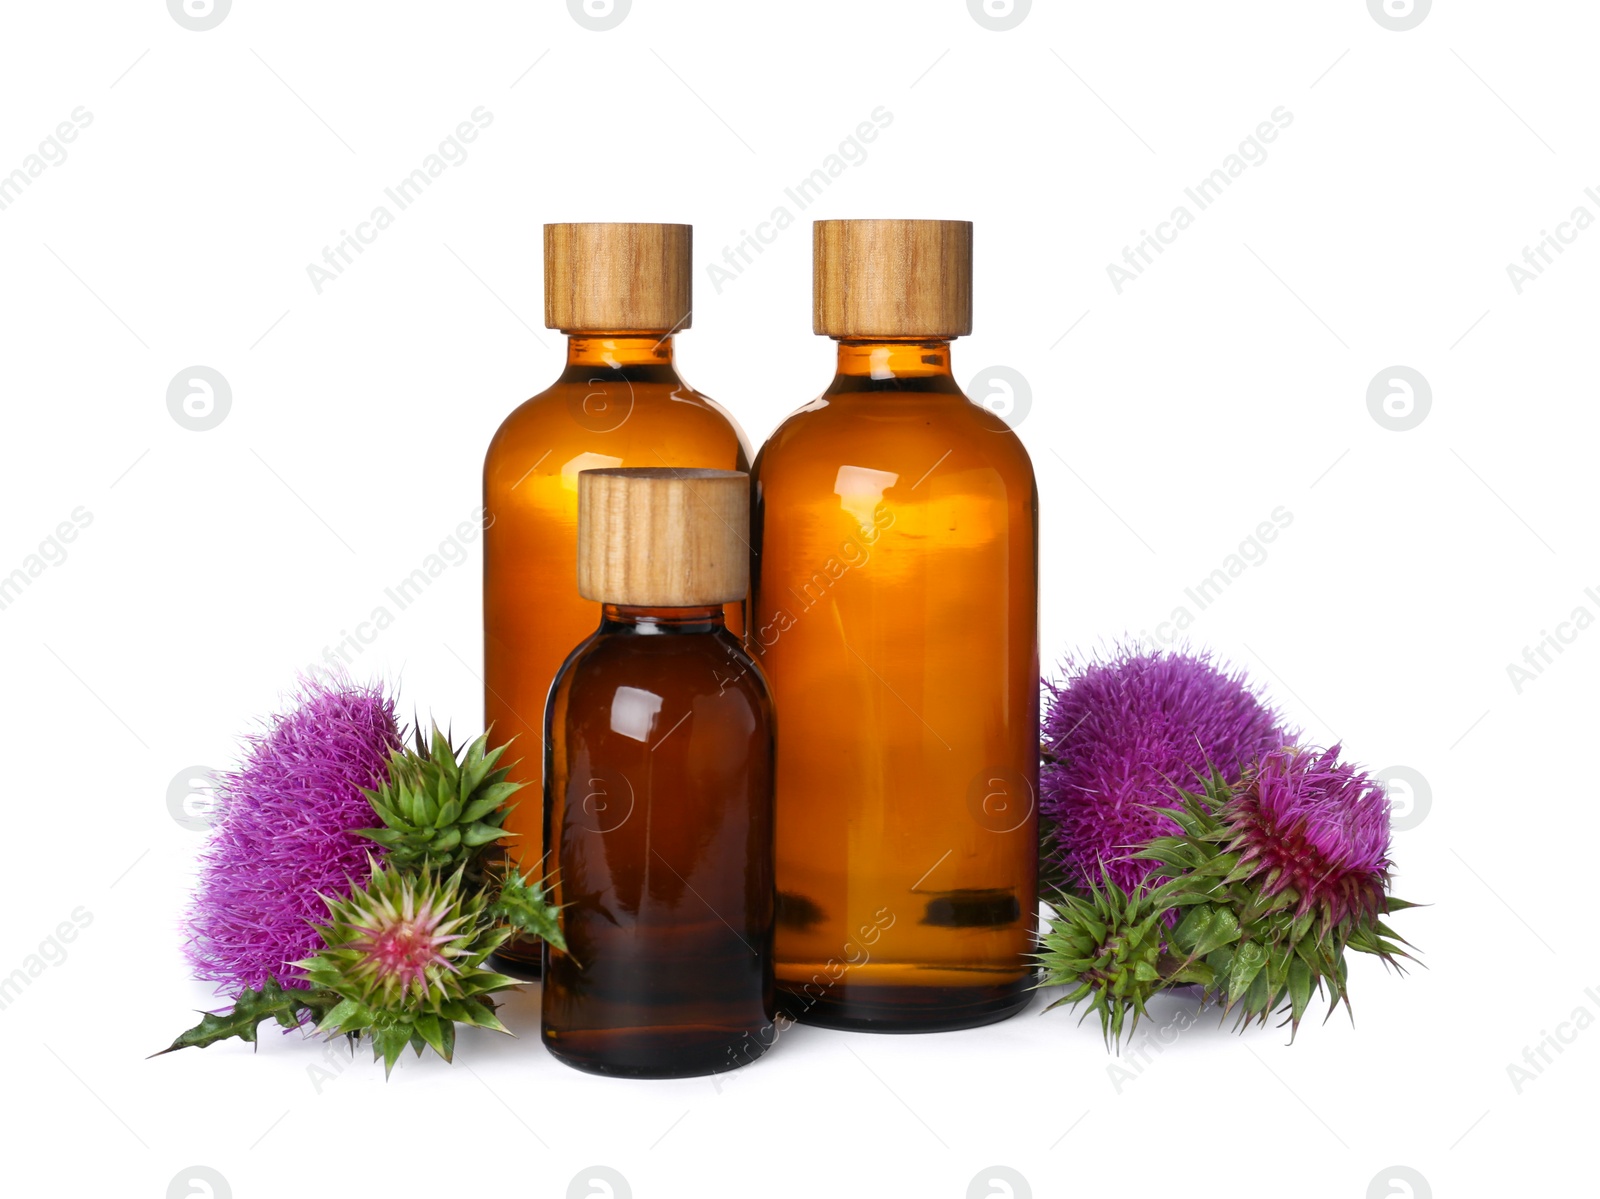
column 618, row 402
column 659, row 815
column 895, row 611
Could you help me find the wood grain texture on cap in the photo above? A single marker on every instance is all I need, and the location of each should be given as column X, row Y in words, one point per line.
column 892, row 278
column 663, row 537
column 617, row 277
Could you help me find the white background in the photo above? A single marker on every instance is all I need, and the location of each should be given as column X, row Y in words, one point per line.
column 1166, row 422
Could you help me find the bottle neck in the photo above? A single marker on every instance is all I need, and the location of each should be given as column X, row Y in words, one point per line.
column 894, row 364
column 649, row 622
column 619, row 350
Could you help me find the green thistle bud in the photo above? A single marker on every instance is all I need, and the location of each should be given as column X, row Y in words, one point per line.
column 441, row 809
column 1110, row 947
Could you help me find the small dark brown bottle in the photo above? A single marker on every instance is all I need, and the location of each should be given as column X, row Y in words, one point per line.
column 658, row 789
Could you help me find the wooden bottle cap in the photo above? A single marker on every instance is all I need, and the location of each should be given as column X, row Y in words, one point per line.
column 663, row 537
column 617, row 277
column 891, row 278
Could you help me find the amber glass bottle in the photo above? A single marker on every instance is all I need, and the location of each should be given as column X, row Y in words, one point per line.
column 619, row 291
column 896, row 614
column 658, row 778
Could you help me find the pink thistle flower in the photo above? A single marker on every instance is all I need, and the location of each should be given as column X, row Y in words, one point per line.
column 285, row 834
column 1316, row 827
column 1123, row 736
column 399, row 939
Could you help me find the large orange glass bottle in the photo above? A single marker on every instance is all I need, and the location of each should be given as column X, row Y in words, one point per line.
column 895, row 593
column 619, row 292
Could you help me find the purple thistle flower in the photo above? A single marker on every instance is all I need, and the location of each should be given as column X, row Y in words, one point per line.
column 1316, row 826
column 1122, row 736
column 285, row 832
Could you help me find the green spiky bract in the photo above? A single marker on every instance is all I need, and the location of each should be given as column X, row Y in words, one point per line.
column 290, row 1007
column 1110, row 947
column 405, row 954
column 525, row 905
column 441, row 809
column 1267, row 949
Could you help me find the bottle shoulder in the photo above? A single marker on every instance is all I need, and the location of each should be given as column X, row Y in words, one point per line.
column 594, row 403
column 894, row 432
column 628, row 422
column 687, row 667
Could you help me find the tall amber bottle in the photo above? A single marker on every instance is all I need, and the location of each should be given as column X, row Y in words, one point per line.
column 619, row 292
column 658, row 781
column 896, row 614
